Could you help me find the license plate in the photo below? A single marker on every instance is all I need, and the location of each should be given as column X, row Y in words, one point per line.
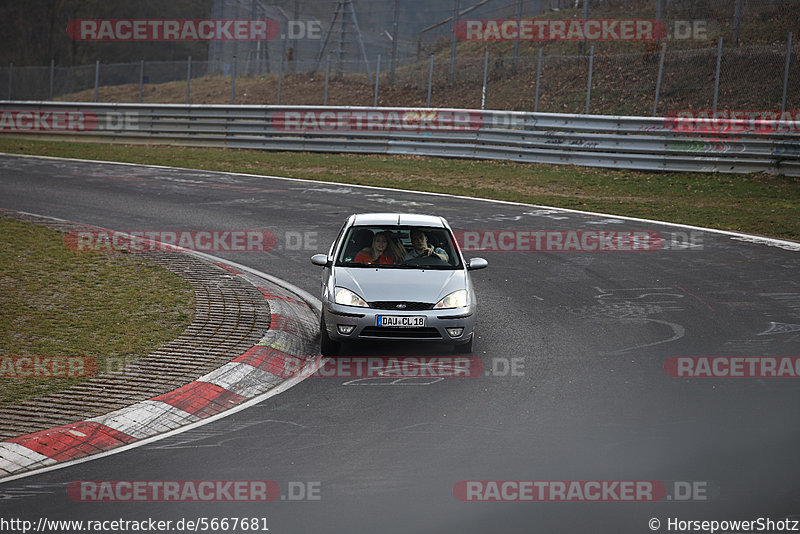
column 401, row 321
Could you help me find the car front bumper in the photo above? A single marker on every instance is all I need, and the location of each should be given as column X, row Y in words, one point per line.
column 364, row 323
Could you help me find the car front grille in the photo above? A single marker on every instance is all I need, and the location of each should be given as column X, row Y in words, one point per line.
column 400, row 305
column 400, row 333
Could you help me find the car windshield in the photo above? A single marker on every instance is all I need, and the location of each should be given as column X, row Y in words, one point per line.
column 398, row 247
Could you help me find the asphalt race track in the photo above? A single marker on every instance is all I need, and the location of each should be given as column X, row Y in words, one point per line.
column 587, row 335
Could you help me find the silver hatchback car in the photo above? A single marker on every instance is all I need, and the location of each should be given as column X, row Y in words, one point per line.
column 392, row 276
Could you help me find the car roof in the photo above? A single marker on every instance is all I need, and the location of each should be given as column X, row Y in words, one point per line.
column 399, row 219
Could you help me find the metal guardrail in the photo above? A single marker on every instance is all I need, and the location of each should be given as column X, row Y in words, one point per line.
column 641, row 143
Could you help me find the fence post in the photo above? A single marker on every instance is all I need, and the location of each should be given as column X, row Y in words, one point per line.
column 786, row 72
column 52, row 76
column 430, row 81
column 141, row 79
column 716, row 78
column 188, row 78
column 538, row 78
column 327, row 75
column 485, row 77
column 585, row 18
column 280, row 80
column 515, row 54
column 395, row 29
column 233, row 79
column 737, row 22
column 658, row 81
column 280, row 70
column 10, row 79
column 589, row 81
column 96, row 77
column 292, row 64
column 456, row 9
column 377, row 79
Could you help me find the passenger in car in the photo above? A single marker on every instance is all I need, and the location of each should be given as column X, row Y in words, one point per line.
column 384, row 250
column 421, row 247
column 361, row 239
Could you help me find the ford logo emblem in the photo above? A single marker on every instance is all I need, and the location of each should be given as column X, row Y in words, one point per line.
column 401, row 306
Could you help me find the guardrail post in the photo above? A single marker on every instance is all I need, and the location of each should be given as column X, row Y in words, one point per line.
column 658, row 81
column 327, row 75
column 96, row 77
column 233, row 78
column 141, row 79
column 589, row 82
column 430, row 81
column 52, row 76
column 716, row 78
column 11, row 80
column 538, row 78
column 377, row 79
column 485, row 77
column 786, row 72
column 188, row 78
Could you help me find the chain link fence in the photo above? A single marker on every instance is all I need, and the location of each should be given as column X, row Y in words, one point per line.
column 750, row 78
column 683, row 71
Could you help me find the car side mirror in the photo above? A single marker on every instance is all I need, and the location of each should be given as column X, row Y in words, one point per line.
column 320, row 259
column 477, row 263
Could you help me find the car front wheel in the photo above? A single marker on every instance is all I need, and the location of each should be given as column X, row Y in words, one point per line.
column 465, row 348
column 327, row 346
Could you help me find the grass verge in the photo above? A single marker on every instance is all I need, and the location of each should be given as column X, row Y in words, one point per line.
column 78, row 312
column 761, row 204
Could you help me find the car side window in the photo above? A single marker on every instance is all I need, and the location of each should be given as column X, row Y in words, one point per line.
column 357, row 239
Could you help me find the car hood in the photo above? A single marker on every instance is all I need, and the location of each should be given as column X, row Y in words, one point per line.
column 410, row 285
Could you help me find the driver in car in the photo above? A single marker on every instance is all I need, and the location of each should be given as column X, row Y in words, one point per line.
column 421, row 247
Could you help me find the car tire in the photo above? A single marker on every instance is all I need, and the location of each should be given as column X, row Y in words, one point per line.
column 465, row 348
column 327, row 346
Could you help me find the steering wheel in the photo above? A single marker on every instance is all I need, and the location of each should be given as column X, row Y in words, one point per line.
column 433, row 259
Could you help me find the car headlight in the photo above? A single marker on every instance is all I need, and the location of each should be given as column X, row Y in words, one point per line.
column 348, row 298
column 456, row 299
